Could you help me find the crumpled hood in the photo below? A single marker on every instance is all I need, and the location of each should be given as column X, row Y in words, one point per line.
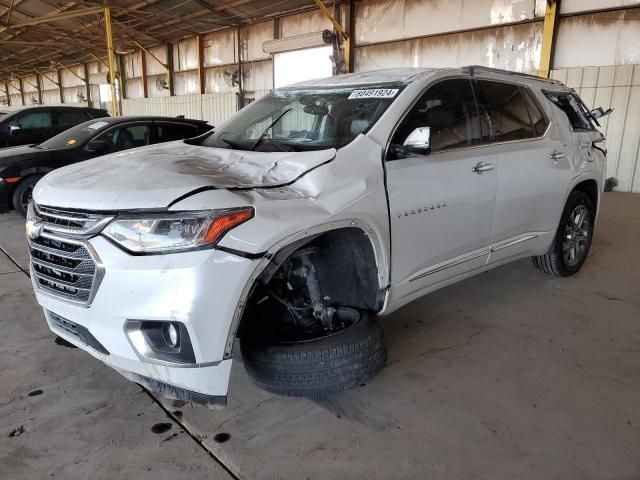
column 153, row 177
column 12, row 155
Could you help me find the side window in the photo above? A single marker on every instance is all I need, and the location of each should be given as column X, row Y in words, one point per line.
column 506, row 108
column 69, row 118
column 34, row 120
column 168, row 132
column 573, row 109
column 124, row 138
column 538, row 119
column 449, row 109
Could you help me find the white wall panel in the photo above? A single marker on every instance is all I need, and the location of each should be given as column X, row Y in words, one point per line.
column 513, row 48
column 220, row 48
column 69, row 79
column 617, row 87
column 134, row 88
column 51, row 97
column 153, row 66
column 385, row 20
column 254, row 36
column 217, row 82
column 133, row 65
column 186, row 83
column 258, row 76
column 28, row 84
column 574, row 6
column 215, row 108
column 599, row 39
column 313, row 21
column 48, row 84
column 185, row 55
column 71, row 95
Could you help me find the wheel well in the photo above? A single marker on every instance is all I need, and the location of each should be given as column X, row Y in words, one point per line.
column 590, row 187
column 346, row 268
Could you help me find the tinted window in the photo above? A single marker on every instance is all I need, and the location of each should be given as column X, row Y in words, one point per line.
column 449, row 109
column 33, row 120
column 538, row 119
column 573, row 109
column 505, row 106
column 168, row 132
column 69, row 118
column 127, row 137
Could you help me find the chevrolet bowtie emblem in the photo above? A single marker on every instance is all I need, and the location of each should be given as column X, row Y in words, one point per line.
column 33, row 229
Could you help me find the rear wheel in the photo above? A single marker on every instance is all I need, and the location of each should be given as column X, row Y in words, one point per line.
column 571, row 244
column 23, row 193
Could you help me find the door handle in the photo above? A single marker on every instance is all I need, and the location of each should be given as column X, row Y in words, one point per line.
column 482, row 167
column 557, row 155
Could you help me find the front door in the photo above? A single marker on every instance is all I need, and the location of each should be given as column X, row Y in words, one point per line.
column 441, row 203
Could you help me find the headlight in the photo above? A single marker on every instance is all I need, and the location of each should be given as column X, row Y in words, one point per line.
column 174, row 231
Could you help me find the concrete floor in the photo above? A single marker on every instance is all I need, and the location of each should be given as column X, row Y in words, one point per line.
column 511, row 374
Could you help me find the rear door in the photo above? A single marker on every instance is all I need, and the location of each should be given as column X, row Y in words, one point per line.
column 532, row 170
column 70, row 117
column 441, row 204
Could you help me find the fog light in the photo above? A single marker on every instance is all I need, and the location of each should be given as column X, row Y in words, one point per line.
column 171, row 335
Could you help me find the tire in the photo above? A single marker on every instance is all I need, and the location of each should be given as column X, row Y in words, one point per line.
column 555, row 261
column 320, row 367
column 23, row 192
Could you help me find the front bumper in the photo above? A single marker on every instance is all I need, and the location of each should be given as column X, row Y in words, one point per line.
column 201, row 289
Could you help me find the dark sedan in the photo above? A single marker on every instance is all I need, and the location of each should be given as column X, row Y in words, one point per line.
column 22, row 167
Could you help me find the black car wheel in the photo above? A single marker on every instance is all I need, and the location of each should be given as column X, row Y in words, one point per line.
column 23, row 193
column 320, row 366
column 571, row 244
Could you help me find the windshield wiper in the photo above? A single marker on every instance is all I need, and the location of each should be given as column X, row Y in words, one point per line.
column 261, row 137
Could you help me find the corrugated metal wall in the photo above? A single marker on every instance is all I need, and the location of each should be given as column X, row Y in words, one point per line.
column 597, row 52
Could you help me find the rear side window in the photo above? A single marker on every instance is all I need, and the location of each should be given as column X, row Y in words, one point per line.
column 70, row 118
column 168, row 132
column 506, row 107
column 538, row 119
column 573, row 109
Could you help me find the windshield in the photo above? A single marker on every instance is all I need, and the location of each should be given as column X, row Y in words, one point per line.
column 74, row 136
column 299, row 119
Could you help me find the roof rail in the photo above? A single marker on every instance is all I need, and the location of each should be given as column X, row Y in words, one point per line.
column 471, row 69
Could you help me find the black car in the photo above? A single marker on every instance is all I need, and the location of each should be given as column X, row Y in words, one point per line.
column 37, row 124
column 22, row 167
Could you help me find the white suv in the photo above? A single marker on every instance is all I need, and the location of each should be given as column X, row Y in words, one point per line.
column 304, row 217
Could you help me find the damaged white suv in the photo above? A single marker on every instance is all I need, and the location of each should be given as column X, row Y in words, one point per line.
column 304, row 217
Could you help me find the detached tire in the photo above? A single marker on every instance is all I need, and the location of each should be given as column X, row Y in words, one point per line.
column 572, row 242
column 319, row 367
column 23, row 192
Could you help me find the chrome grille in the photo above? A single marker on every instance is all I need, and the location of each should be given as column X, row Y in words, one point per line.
column 63, row 263
column 68, row 222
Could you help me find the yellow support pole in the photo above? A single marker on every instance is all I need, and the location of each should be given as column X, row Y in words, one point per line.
column 548, row 34
column 112, row 64
column 338, row 28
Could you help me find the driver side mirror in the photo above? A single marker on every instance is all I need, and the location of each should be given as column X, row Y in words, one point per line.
column 97, row 146
column 419, row 141
column 15, row 130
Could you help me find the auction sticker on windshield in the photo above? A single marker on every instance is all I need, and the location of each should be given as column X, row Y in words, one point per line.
column 95, row 126
column 374, row 93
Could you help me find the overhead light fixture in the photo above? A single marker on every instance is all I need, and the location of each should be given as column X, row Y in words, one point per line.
column 122, row 49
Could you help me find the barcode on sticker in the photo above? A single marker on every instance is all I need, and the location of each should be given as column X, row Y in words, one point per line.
column 374, row 93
